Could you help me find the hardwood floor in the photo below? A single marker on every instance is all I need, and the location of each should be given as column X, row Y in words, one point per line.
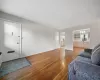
column 77, row 50
column 44, row 66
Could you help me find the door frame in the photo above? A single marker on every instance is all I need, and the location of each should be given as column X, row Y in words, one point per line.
column 20, row 48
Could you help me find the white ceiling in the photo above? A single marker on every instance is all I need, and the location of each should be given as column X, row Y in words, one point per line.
column 58, row 14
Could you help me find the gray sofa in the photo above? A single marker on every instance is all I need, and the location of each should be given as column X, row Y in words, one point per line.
column 82, row 68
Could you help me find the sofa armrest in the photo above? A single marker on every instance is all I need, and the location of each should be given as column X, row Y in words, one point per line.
column 87, row 70
column 88, row 50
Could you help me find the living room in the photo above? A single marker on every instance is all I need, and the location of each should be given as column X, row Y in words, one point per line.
column 49, row 39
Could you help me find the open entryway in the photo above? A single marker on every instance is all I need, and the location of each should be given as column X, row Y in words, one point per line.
column 81, row 39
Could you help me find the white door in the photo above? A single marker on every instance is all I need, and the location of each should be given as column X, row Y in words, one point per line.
column 1, row 39
column 11, row 41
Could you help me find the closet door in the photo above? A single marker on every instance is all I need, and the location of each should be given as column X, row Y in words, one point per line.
column 11, row 37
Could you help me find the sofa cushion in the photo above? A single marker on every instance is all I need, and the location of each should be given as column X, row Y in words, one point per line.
column 95, row 57
column 85, row 54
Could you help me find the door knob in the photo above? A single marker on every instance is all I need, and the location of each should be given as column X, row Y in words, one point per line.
column 17, row 42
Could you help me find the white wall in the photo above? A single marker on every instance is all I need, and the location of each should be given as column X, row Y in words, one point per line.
column 37, row 38
column 94, row 34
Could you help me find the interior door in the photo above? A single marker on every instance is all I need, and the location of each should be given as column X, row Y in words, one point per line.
column 1, row 39
column 11, row 40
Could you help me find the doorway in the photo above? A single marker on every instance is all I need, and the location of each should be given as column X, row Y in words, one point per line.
column 60, row 42
column 81, row 39
column 11, row 40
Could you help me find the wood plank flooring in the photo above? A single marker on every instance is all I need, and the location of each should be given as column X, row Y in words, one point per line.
column 44, row 66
